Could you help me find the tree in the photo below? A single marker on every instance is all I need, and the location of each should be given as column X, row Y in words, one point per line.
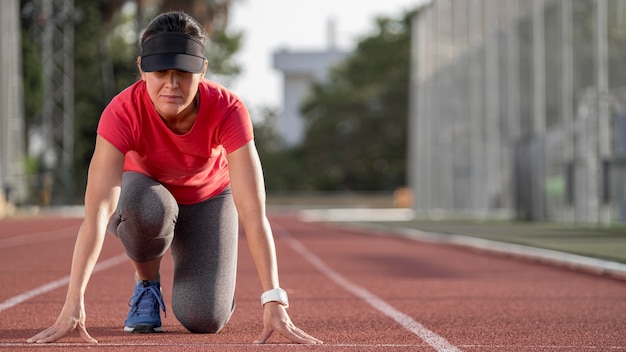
column 105, row 59
column 356, row 122
column 282, row 165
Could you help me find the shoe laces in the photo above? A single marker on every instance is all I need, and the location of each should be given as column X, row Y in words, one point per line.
column 141, row 302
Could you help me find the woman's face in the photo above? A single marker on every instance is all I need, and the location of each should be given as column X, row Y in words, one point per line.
column 172, row 92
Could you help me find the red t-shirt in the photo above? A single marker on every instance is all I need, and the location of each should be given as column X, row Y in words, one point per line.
column 191, row 166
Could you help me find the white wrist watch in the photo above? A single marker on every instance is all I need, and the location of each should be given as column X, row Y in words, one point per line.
column 275, row 295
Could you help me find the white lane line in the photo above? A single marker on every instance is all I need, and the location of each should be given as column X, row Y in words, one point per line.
column 435, row 341
column 13, row 301
column 272, row 346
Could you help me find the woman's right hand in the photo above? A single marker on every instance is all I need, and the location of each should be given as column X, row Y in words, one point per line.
column 72, row 318
column 101, row 195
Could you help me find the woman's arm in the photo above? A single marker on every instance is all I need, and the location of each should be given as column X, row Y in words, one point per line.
column 248, row 190
column 246, row 177
column 102, row 193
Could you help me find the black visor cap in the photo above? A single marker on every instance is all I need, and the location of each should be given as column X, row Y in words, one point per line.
column 172, row 51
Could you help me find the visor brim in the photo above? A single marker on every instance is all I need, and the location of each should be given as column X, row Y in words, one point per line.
column 171, row 61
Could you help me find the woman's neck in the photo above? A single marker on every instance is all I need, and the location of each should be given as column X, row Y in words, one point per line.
column 183, row 122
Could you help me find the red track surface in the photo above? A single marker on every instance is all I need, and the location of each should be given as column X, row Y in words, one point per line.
column 356, row 291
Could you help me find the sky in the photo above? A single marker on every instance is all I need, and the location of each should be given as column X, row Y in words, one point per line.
column 271, row 25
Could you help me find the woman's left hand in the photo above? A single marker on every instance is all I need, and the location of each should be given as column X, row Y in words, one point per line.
column 276, row 319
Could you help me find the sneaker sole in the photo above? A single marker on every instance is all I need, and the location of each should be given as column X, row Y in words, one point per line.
column 143, row 329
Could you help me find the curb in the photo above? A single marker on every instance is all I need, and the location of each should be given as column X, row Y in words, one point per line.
column 363, row 218
column 561, row 259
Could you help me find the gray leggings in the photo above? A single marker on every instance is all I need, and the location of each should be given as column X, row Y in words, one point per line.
column 203, row 240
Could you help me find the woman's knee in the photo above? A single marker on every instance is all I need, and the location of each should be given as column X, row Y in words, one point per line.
column 202, row 320
column 147, row 203
column 145, row 217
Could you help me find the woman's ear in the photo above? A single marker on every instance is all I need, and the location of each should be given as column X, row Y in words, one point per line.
column 206, row 67
column 139, row 68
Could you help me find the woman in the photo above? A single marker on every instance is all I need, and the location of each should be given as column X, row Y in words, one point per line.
column 175, row 166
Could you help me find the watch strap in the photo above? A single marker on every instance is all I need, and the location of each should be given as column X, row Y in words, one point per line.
column 275, row 295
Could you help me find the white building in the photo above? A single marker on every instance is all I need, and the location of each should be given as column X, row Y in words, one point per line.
column 301, row 69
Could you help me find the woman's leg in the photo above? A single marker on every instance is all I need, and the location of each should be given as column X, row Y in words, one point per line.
column 205, row 262
column 144, row 222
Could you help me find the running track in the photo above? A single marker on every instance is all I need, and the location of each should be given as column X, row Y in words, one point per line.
column 355, row 290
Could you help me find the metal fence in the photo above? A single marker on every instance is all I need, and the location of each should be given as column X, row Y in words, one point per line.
column 518, row 109
column 12, row 185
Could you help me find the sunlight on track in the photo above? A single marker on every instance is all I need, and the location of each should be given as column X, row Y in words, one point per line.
column 13, row 301
column 38, row 237
column 432, row 339
column 357, row 214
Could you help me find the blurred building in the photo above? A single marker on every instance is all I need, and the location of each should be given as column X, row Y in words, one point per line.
column 300, row 70
column 11, row 107
column 516, row 110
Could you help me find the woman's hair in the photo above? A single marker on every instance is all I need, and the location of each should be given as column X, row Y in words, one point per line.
column 174, row 22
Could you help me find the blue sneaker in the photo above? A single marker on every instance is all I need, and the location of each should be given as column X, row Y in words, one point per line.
column 143, row 315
